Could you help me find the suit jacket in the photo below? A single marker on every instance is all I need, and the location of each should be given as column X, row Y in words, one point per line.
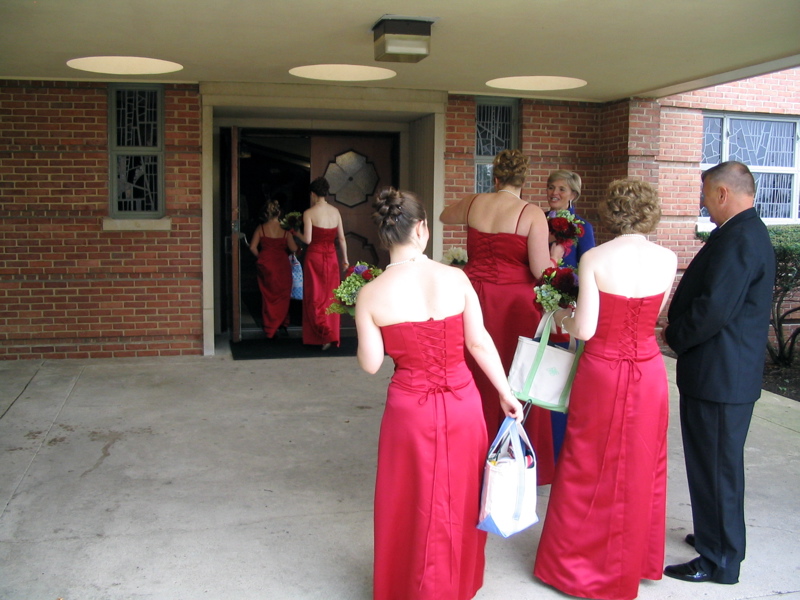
column 719, row 315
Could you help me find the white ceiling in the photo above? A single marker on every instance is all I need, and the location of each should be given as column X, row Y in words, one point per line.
column 623, row 48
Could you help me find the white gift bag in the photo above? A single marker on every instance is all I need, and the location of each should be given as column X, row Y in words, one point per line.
column 541, row 374
column 508, row 497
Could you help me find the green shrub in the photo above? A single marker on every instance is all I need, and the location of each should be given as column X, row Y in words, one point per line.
column 785, row 298
column 786, row 241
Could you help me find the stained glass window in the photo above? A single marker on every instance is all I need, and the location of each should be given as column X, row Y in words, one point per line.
column 712, row 140
column 495, row 130
column 136, row 145
column 769, row 147
column 492, row 129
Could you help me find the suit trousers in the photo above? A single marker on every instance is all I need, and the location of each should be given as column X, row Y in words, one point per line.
column 714, row 434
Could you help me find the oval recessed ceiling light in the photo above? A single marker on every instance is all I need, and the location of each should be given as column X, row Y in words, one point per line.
column 124, row 65
column 342, row 72
column 536, row 83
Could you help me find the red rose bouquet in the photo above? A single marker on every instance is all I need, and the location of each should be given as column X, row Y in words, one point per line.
column 558, row 288
column 566, row 229
column 356, row 277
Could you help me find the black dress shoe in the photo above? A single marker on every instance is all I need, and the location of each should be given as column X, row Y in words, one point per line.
column 689, row 539
column 690, row 571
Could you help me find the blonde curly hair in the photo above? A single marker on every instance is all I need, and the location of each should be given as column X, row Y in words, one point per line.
column 630, row 206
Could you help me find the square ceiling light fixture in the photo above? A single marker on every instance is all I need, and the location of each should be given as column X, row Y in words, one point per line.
column 402, row 39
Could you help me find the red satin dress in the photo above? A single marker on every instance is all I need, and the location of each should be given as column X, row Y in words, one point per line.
column 499, row 270
column 605, row 524
column 320, row 278
column 274, row 282
column 431, row 454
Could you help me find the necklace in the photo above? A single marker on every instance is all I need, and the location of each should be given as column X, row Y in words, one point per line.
column 408, row 260
column 639, row 235
column 510, row 192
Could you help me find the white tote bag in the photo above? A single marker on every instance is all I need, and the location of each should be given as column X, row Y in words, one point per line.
column 508, row 497
column 542, row 374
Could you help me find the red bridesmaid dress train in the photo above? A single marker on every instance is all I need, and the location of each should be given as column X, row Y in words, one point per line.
column 431, row 454
column 274, row 282
column 320, row 278
column 605, row 524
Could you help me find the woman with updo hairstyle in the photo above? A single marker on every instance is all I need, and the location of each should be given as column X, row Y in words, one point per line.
column 612, row 469
column 631, row 206
column 322, row 230
column 433, row 440
column 507, row 249
column 270, row 245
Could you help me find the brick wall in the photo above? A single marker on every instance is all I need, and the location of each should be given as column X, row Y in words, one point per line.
column 681, row 135
column 656, row 140
column 68, row 288
column 600, row 142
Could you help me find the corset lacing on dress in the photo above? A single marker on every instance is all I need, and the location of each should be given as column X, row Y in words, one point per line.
column 628, row 352
column 483, row 261
column 629, row 340
column 432, row 343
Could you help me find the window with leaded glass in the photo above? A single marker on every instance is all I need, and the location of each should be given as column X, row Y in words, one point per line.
column 136, row 132
column 495, row 130
column 769, row 146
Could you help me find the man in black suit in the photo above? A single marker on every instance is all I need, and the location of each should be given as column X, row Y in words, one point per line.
column 718, row 326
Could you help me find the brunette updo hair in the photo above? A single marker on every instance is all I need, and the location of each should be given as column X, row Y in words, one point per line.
column 320, row 187
column 630, row 206
column 396, row 214
column 510, row 167
column 271, row 210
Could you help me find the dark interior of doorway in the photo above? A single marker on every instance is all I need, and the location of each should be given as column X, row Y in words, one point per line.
column 272, row 165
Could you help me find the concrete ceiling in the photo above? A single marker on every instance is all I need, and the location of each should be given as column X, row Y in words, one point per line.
column 623, row 48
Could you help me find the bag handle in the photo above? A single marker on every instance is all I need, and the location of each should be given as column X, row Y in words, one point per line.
column 505, row 427
column 537, row 359
column 568, row 388
column 519, row 458
column 512, row 431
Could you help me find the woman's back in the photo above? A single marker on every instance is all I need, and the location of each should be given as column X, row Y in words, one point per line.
column 500, row 212
column 323, row 215
column 630, row 266
column 416, row 291
column 272, row 229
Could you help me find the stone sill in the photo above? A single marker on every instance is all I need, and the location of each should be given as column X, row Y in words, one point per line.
column 163, row 224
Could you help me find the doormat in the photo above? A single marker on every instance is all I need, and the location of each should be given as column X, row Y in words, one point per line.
column 289, row 347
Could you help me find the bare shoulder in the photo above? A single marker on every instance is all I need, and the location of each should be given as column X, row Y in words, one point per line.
column 532, row 211
column 370, row 290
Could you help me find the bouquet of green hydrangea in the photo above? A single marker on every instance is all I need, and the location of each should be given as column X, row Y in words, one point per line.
column 358, row 276
column 292, row 220
column 558, row 288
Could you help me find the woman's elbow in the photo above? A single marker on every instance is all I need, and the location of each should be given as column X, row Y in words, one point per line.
column 369, row 364
column 585, row 333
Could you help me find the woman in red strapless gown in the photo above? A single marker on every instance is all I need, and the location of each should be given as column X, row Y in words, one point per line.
column 270, row 244
column 322, row 230
column 433, row 440
column 605, row 523
column 320, row 278
column 507, row 250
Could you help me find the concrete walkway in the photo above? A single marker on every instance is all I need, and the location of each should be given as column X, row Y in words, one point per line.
column 202, row 477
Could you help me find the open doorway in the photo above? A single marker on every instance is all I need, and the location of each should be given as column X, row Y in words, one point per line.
column 280, row 164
